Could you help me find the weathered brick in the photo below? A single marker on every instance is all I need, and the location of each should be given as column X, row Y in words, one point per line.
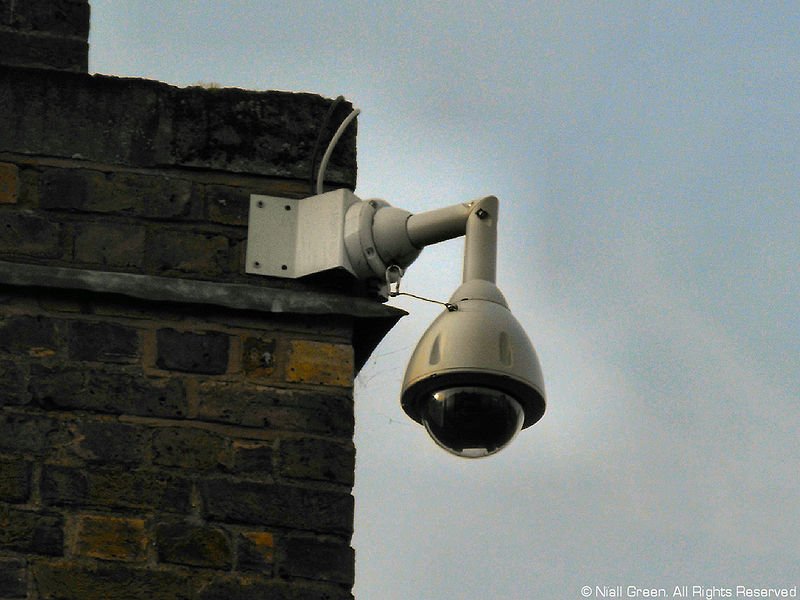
column 36, row 336
column 320, row 363
column 189, row 448
column 13, row 383
column 111, row 538
column 258, row 357
column 235, row 587
column 110, row 391
column 227, row 205
column 255, row 551
column 114, row 488
column 176, row 252
column 31, row 532
column 59, row 17
column 183, row 543
column 66, row 580
column 23, row 49
column 281, row 410
column 30, row 433
column 103, row 341
column 192, row 352
column 252, row 457
column 110, row 245
column 317, row 459
column 15, row 481
column 119, row 193
column 59, row 114
column 9, row 183
column 24, row 233
column 311, row 558
column 277, row 505
column 13, row 578
column 110, row 442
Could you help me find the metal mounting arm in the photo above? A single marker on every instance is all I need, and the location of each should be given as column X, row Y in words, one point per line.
column 292, row 238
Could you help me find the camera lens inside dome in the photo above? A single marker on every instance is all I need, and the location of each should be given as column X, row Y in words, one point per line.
column 472, row 421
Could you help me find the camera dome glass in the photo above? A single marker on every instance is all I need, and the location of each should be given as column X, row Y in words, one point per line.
column 471, row 421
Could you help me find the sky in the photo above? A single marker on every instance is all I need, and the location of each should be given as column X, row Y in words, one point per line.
column 646, row 157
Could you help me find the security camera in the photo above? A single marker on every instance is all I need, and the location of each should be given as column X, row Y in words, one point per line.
column 474, row 380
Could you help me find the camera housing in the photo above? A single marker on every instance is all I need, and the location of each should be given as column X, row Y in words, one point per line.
column 474, row 380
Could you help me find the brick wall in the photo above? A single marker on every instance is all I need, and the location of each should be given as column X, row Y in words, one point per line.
column 52, row 34
column 173, row 455
column 170, row 427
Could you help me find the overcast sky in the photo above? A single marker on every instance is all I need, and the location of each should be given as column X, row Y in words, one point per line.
column 646, row 157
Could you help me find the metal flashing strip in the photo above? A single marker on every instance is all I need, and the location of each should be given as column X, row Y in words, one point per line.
column 236, row 296
column 371, row 319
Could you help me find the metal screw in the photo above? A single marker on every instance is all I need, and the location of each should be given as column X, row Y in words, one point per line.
column 260, row 204
column 257, row 265
column 481, row 214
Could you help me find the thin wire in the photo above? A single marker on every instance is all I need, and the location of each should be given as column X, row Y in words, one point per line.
column 450, row 307
column 324, row 164
column 323, row 129
column 394, row 275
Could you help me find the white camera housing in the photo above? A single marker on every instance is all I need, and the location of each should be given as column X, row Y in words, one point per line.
column 474, row 380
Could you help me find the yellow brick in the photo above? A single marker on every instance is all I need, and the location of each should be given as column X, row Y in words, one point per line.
column 262, row 544
column 320, row 363
column 111, row 538
column 9, row 182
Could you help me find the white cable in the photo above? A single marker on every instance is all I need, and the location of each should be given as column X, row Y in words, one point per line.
column 324, row 163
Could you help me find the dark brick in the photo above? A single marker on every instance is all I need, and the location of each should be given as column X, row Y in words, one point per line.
column 31, row 434
column 193, row 545
column 13, row 578
column 58, row 17
column 114, row 488
column 100, row 341
column 13, row 383
column 62, row 114
column 110, row 245
column 319, row 560
column 317, row 459
column 227, row 205
column 111, row 442
column 234, row 587
column 119, row 193
column 110, row 391
column 276, row 409
column 24, row 49
column 277, row 505
column 15, row 481
column 33, row 532
column 28, row 335
column 24, row 233
column 188, row 448
column 176, row 252
column 252, row 457
column 192, row 352
column 74, row 581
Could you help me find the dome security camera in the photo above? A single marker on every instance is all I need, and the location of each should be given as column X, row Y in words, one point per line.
column 474, row 380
